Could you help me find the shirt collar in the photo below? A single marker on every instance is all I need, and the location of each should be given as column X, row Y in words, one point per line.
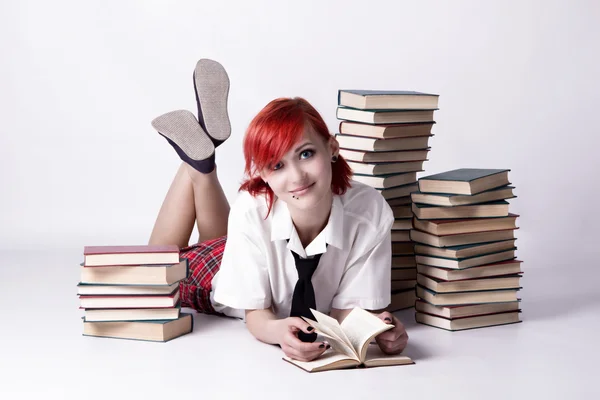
column 282, row 228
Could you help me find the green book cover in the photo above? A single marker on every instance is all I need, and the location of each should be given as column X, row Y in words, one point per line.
column 466, row 246
column 154, row 321
column 484, row 278
column 464, row 174
column 384, row 93
column 408, row 110
column 470, row 291
column 390, row 175
column 161, row 322
column 464, row 195
column 499, row 202
column 467, row 258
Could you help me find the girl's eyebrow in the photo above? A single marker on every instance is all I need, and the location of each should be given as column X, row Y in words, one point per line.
column 301, row 146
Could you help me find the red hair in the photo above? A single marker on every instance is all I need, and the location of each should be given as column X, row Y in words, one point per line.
column 273, row 132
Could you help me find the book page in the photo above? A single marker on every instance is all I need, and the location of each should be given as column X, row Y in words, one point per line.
column 337, row 343
column 329, row 360
column 333, row 325
column 360, row 327
column 377, row 358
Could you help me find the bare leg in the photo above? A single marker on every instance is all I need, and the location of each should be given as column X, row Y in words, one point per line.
column 193, row 196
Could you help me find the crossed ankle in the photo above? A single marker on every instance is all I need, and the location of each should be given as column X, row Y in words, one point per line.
column 197, row 176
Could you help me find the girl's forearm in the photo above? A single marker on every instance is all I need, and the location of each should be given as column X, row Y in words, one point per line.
column 264, row 325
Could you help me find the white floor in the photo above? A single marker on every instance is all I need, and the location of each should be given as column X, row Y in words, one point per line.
column 552, row 354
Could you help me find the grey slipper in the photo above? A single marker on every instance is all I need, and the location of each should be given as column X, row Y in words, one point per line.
column 211, row 85
column 184, row 133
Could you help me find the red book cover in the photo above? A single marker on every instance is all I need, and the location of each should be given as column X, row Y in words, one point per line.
column 94, row 250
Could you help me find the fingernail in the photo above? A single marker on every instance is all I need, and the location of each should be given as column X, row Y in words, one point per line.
column 321, row 346
column 310, row 329
column 387, row 319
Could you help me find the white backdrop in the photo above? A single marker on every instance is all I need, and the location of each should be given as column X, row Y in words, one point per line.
column 81, row 81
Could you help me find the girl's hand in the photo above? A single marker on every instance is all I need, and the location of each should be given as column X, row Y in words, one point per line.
column 394, row 340
column 292, row 346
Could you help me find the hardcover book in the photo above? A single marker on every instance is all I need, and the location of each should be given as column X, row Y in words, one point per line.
column 452, row 312
column 141, row 301
column 384, row 156
column 385, row 168
column 464, row 298
column 404, row 273
column 387, row 99
column 397, row 191
column 349, row 343
column 399, row 201
column 470, row 285
column 154, row 331
column 449, row 200
column 459, row 324
column 403, row 284
column 457, row 226
column 460, row 239
column 464, row 181
column 401, row 211
column 150, row 274
column 385, row 131
column 95, row 256
column 384, row 116
column 401, row 300
column 386, row 181
column 371, row 144
column 462, row 263
column 404, row 262
column 400, row 236
column 125, row 290
column 509, row 267
column 131, row 314
column 465, row 251
column 402, row 224
column 486, row 210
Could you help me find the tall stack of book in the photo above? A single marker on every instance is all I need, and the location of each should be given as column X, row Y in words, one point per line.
column 468, row 275
column 132, row 292
column 384, row 137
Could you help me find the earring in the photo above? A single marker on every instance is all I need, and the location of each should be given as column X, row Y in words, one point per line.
column 334, row 159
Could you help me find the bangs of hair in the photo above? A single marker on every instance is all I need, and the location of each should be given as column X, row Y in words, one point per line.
column 273, row 132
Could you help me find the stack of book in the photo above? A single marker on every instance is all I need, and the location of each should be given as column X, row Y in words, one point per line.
column 384, row 137
column 132, row 292
column 468, row 276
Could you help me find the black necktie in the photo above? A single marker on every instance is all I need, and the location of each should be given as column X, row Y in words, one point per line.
column 303, row 298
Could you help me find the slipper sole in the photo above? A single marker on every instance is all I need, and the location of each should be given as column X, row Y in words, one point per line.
column 182, row 128
column 212, row 90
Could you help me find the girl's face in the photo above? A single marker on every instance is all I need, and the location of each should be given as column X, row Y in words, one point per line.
column 302, row 178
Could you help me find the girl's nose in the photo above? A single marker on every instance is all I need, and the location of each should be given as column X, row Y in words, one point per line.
column 296, row 173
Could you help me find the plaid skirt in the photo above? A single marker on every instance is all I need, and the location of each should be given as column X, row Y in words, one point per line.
column 204, row 260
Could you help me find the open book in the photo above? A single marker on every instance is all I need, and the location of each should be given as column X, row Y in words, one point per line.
column 350, row 343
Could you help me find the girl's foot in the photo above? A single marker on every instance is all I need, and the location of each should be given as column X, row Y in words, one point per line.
column 184, row 133
column 211, row 85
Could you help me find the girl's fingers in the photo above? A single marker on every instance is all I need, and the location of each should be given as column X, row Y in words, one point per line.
column 302, row 355
column 296, row 324
column 305, row 351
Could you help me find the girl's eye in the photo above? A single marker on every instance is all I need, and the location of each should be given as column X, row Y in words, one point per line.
column 307, row 154
column 277, row 166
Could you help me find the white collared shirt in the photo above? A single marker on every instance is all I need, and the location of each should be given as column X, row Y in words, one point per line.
column 258, row 270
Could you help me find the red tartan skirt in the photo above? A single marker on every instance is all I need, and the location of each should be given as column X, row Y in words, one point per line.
column 204, row 260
